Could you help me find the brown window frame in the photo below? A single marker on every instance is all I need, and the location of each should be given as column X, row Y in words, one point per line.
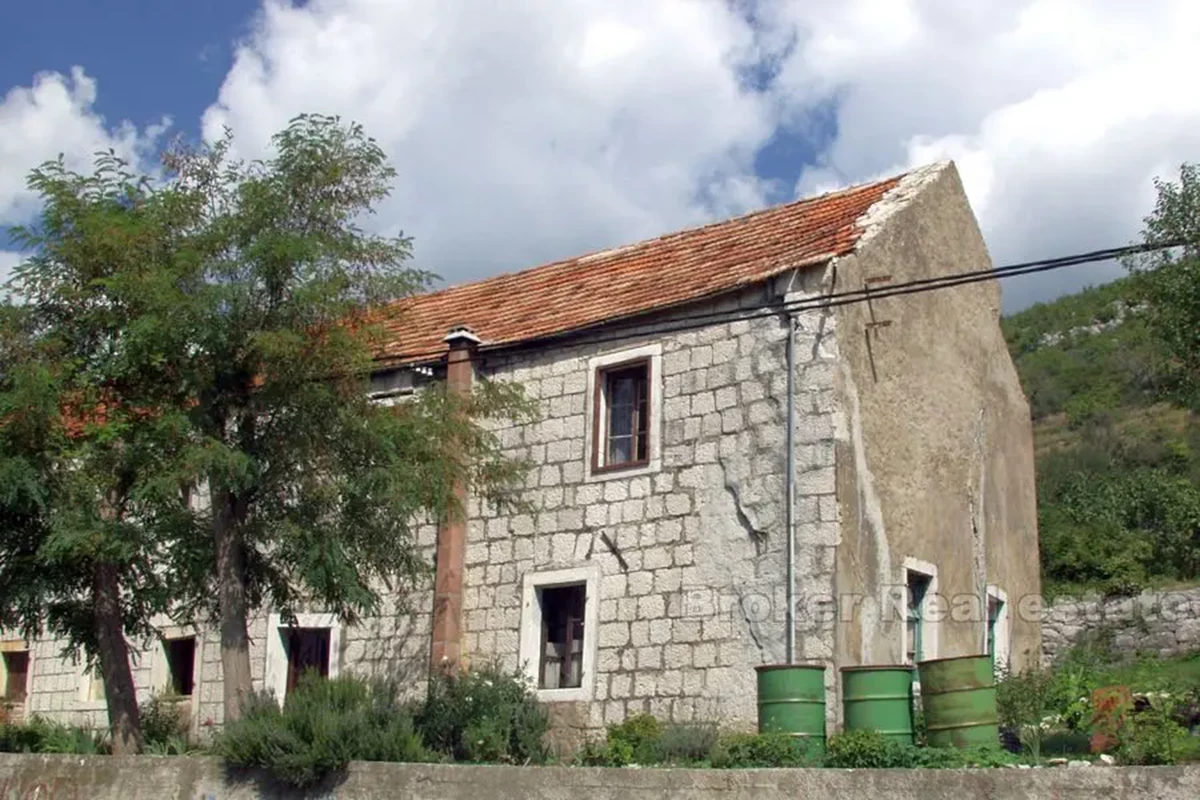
column 600, row 411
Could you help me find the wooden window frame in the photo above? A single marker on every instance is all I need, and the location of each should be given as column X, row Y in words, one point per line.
column 600, row 413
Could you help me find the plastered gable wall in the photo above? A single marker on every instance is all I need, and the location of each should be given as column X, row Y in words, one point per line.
column 691, row 579
column 935, row 458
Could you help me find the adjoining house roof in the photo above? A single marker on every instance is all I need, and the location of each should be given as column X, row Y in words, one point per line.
column 652, row 275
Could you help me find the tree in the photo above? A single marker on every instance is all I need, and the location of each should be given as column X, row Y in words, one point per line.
column 217, row 329
column 315, row 491
column 86, row 427
column 1169, row 280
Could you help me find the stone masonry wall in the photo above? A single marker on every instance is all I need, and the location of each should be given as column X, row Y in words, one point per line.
column 1162, row 623
column 692, row 599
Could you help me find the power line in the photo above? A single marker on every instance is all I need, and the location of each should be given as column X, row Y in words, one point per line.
column 837, row 299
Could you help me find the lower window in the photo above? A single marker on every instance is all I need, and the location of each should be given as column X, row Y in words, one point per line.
column 181, row 664
column 307, row 651
column 16, row 677
column 560, row 618
column 562, row 636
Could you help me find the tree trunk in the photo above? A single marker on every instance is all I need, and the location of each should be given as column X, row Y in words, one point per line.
column 119, row 692
column 231, row 586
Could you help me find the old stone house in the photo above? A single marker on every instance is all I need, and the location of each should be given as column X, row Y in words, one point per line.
column 700, row 396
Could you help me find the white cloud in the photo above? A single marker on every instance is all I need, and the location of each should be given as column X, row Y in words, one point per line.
column 1059, row 113
column 522, row 131
column 525, row 131
column 56, row 115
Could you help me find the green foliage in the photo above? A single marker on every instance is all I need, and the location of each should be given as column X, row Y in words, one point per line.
column 980, row 757
column 485, row 715
column 761, row 750
column 164, row 726
column 323, row 725
column 638, row 735
column 686, row 743
column 867, row 750
column 39, row 735
column 1151, row 736
column 1169, row 281
column 1024, row 701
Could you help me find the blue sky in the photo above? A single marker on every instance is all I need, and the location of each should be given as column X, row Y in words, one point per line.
column 525, row 132
column 150, row 57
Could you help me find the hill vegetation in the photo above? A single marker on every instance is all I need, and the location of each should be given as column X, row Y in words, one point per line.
column 1118, row 462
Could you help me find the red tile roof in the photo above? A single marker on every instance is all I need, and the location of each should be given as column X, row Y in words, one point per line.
column 626, row 281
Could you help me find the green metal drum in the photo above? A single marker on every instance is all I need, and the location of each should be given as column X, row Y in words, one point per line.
column 958, row 696
column 879, row 698
column 791, row 699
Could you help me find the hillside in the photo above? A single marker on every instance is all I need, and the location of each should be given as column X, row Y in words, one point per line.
column 1118, row 468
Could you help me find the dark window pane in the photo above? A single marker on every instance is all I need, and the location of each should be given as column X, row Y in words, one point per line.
column 562, row 632
column 181, row 661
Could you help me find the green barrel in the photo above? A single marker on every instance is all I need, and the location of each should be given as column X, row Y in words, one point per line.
column 879, row 698
column 791, row 699
column 958, row 696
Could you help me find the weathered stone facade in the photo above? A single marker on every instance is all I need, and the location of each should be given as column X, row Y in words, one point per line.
column 905, row 447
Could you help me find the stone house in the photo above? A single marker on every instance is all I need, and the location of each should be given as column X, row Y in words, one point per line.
column 701, row 396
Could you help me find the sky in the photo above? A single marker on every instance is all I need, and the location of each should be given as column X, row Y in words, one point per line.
column 531, row 130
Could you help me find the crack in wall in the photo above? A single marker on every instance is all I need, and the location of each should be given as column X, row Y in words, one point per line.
column 757, row 535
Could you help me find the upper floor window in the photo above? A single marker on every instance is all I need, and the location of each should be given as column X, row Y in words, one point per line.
column 622, row 416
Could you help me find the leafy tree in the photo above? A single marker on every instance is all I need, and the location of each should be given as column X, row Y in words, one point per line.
column 314, row 490
column 86, row 429
column 1170, row 280
column 218, row 330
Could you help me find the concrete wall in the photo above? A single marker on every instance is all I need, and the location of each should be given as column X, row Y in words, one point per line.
column 1160, row 623
column 935, row 457
column 106, row 778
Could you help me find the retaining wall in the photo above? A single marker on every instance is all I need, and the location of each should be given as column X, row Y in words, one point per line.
column 148, row 778
column 1163, row 623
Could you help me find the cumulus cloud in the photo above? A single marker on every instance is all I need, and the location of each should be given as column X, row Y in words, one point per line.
column 53, row 116
column 1059, row 113
column 522, row 131
column 527, row 131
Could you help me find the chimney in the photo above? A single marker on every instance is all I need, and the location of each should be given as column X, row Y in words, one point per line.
column 446, row 645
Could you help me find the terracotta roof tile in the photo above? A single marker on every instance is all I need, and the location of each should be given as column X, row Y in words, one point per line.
column 635, row 279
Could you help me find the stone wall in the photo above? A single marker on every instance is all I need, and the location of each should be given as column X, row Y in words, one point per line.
column 106, row 778
column 1162, row 623
column 689, row 555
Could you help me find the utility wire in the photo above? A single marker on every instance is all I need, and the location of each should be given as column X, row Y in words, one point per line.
column 837, row 299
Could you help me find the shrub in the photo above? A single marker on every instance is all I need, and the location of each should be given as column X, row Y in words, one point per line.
column 758, row 750
column 1152, row 736
column 40, row 735
column 483, row 714
column 1023, row 703
column 639, row 735
column 164, row 726
column 323, row 725
column 686, row 744
column 866, row 750
column 605, row 754
column 960, row 758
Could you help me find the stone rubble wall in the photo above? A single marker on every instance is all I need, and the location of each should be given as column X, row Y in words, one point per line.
column 1160, row 623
